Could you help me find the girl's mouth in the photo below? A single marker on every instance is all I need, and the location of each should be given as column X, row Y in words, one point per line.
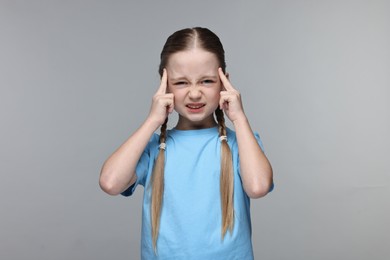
column 196, row 107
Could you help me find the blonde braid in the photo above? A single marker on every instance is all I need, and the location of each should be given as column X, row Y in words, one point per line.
column 157, row 183
column 227, row 177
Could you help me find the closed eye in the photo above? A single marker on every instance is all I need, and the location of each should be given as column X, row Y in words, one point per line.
column 180, row 83
column 207, row 82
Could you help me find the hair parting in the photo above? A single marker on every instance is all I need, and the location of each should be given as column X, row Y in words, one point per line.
column 189, row 38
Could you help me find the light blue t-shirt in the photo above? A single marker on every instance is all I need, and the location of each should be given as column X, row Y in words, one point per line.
column 190, row 224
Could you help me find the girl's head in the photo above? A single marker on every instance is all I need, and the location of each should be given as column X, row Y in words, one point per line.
column 187, row 39
column 192, row 58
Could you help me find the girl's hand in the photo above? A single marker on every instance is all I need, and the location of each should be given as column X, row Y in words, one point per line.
column 230, row 101
column 162, row 104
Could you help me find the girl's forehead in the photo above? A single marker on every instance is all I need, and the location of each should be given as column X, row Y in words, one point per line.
column 192, row 62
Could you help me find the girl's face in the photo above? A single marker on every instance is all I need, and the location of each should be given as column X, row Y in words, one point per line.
column 193, row 79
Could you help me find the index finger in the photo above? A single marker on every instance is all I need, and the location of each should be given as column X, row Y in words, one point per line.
column 163, row 84
column 225, row 80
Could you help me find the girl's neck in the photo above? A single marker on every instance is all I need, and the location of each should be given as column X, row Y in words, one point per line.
column 185, row 124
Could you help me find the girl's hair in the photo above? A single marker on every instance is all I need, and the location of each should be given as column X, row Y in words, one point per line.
column 182, row 40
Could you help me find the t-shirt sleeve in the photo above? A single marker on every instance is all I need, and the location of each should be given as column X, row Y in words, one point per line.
column 257, row 136
column 143, row 165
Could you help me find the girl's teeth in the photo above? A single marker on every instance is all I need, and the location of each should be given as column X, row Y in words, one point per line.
column 194, row 106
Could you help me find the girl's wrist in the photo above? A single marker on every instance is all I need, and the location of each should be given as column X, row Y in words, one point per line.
column 151, row 123
column 241, row 120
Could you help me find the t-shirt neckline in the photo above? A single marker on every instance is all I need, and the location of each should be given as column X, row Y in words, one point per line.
column 203, row 131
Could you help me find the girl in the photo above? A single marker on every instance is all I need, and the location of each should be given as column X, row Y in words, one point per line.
column 198, row 176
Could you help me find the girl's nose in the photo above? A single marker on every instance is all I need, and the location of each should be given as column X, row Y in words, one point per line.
column 194, row 93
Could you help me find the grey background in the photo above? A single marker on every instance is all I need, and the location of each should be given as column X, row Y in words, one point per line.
column 77, row 78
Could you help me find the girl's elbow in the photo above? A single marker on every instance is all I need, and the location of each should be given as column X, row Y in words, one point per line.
column 108, row 186
column 260, row 190
column 256, row 194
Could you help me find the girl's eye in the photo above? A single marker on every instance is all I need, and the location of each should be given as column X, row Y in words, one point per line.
column 207, row 82
column 180, row 83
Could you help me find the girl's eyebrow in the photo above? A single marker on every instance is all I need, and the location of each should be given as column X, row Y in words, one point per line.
column 179, row 78
column 210, row 77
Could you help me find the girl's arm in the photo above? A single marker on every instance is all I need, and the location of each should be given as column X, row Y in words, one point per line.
column 256, row 171
column 118, row 171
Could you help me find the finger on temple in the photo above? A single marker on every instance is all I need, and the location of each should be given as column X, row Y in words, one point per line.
column 225, row 80
column 163, row 85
